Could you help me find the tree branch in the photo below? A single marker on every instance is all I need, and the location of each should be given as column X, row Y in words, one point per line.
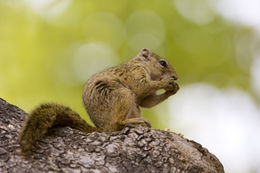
column 130, row 150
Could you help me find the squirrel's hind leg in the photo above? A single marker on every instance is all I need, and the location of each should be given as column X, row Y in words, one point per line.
column 125, row 111
column 136, row 122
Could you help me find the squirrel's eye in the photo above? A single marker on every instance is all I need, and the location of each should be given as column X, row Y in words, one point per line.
column 163, row 63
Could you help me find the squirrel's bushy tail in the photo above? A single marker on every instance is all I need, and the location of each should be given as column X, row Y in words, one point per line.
column 45, row 117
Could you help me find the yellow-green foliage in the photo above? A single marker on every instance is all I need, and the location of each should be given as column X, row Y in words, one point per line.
column 48, row 51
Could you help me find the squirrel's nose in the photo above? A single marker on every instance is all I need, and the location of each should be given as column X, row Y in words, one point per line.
column 175, row 77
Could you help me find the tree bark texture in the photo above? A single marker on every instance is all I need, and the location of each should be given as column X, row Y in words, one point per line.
column 130, row 150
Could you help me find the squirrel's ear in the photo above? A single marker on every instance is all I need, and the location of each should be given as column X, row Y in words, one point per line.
column 144, row 53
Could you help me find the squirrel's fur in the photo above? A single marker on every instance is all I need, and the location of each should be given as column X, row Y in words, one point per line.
column 111, row 98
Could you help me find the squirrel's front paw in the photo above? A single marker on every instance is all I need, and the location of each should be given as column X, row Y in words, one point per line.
column 171, row 85
column 173, row 90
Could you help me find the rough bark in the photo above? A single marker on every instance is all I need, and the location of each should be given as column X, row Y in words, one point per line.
column 130, row 150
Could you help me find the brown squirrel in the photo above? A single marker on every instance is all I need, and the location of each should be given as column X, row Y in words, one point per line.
column 111, row 99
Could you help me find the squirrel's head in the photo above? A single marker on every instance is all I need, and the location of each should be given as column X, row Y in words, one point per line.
column 158, row 67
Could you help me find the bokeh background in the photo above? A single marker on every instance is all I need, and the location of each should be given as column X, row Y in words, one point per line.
column 49, row 48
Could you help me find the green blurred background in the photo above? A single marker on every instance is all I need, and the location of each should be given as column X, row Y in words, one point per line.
column 48, row 49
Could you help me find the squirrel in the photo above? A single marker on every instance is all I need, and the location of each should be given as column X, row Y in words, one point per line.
column 111, row 98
